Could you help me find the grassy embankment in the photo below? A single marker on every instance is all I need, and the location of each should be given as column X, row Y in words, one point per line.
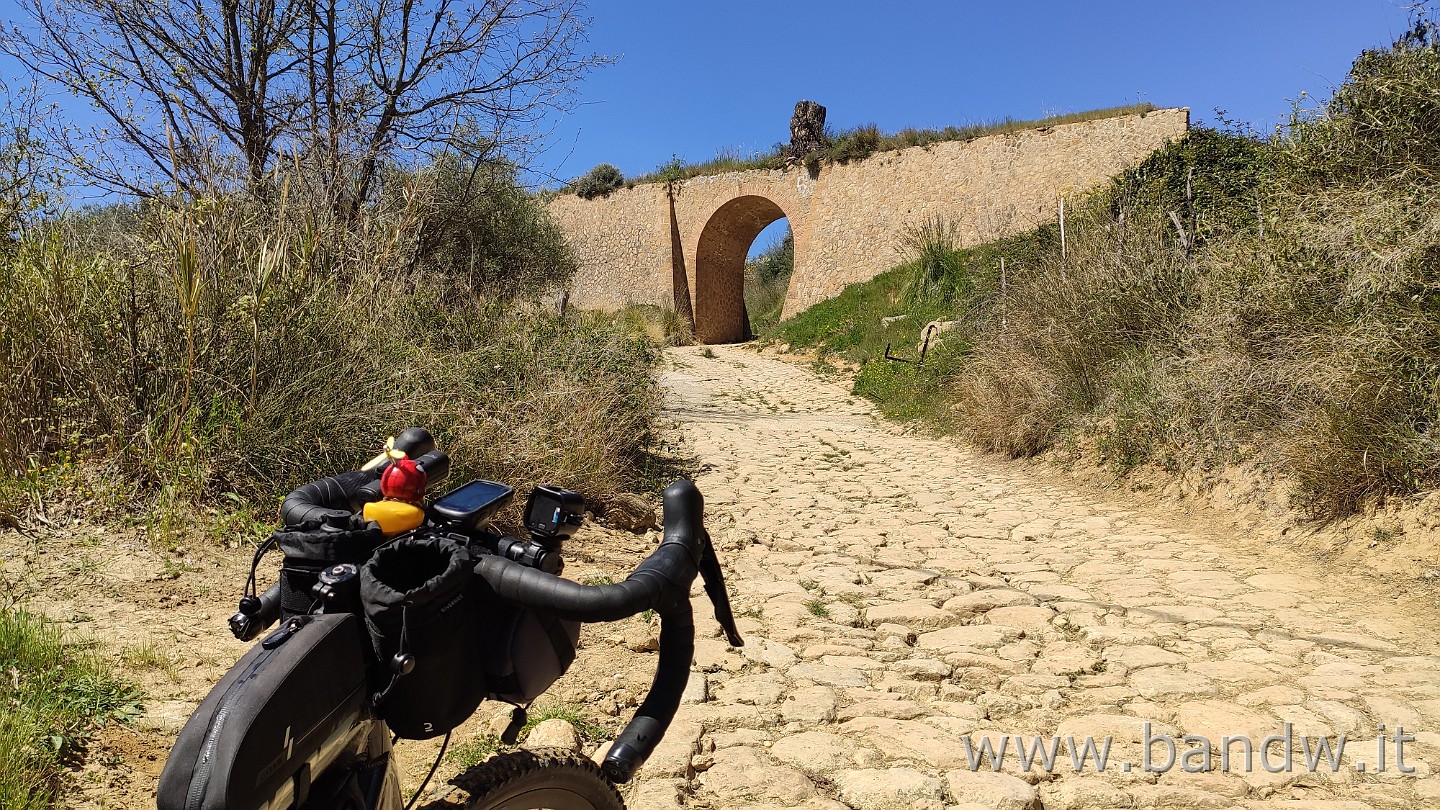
column 1273, row 301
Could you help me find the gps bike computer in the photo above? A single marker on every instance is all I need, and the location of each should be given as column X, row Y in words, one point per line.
column 473, row 504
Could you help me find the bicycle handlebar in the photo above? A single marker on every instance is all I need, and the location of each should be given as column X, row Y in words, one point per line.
column 662, row 583
column 340, row 496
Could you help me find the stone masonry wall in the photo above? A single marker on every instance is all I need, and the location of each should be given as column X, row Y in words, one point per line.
column 846, row 220
column 992, row 187
column 623, row 246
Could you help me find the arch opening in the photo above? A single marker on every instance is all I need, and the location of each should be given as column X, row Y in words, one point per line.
column 720, row 315
column 768, row 267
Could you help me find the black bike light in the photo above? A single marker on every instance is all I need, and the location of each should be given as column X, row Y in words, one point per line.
column 553, row 514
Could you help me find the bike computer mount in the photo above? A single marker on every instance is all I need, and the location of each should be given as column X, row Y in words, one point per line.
column 552, row 514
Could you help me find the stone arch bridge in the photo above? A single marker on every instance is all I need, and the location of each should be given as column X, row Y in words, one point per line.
column 684, row 245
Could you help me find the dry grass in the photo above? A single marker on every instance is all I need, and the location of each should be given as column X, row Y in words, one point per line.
column 1313, row 348
column 240, row 347
column 861, row 142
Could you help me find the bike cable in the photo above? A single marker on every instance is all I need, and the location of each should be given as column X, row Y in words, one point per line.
column 445, row 743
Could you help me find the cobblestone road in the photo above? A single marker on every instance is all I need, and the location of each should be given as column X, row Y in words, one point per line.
column 903, row 598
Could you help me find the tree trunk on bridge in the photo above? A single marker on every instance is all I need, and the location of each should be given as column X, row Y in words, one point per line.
column 807, row 132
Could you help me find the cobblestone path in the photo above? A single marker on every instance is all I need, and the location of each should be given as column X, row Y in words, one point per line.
column 905, row 601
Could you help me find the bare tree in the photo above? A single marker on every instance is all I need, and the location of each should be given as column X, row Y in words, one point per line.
column 202, row 93
column 24, row 173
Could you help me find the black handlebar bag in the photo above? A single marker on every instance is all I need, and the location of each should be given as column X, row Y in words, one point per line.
column 313, row 546
column 526, row 651
column 423, row 612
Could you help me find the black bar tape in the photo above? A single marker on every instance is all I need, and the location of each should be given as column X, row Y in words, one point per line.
column 684, row 511
column 328, row 496
column 663, row 577
column 643, row 732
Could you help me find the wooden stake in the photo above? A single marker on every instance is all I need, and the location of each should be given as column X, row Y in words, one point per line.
column 1063, row 252
column 1004, row 315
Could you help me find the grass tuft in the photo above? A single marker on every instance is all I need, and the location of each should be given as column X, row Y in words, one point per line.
column 56, row 694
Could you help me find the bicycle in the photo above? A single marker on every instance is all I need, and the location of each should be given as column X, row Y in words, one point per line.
column 308, row 718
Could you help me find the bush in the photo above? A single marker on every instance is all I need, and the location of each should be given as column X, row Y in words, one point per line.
column 482, row 231
column 1321, row 345
column 1213, row 181
column 1383, row 122
column 662, row 326
column 776, row 263
column 239, row 347
column 599, row 182
column 1070, row 323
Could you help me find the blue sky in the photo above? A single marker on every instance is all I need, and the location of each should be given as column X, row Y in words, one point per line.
column 693, row 78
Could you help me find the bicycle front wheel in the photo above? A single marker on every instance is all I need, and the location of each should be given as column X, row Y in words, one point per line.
column 538, row 780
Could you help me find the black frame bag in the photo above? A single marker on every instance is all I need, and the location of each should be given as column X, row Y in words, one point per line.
column 268, row 716
column 423, row 612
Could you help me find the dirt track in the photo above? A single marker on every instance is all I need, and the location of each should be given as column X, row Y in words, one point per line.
column 900, row 596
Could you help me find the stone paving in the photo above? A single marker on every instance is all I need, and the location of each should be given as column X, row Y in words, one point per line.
column 905, row 601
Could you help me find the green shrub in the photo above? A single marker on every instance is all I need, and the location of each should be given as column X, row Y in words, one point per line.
column 599, row 182
column 1383, row 122
column 1214, row 181
column 775, row 263
column 480, row 229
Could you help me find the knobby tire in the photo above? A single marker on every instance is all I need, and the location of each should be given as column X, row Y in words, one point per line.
column 538, row 780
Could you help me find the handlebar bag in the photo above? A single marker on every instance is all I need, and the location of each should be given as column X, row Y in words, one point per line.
column 525, row 651
column 258, row 736
column 313, row 546
column 423, row 612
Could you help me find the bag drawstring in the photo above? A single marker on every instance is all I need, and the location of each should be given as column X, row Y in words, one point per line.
column 402, row 662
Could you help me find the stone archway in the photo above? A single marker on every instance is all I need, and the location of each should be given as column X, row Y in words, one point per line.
column 720, row 267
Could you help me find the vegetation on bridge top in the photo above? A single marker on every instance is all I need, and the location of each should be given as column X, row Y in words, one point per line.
column 842, row 147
